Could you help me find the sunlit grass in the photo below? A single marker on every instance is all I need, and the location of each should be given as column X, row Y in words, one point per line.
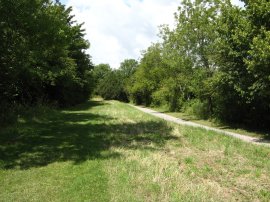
column 109, row 151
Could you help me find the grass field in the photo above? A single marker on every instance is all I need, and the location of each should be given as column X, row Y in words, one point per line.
column 109, row 151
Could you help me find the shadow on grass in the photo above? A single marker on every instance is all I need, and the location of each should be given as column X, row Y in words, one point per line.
column 76, row 136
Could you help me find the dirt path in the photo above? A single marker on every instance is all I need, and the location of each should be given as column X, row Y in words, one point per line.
column 166, row 117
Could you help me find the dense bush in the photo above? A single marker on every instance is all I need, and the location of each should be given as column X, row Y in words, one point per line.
column 196, row 108
column 112, row 87
column 112, row 84
column 213, row 64
column 42, row 55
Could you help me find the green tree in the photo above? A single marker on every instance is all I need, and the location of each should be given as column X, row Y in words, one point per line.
column 189, row 53
column 128, row 67
column 100, row 71
column 244, row 60
column 147, row 77
column 112, row 87
column 112, row 84
column 42, row 54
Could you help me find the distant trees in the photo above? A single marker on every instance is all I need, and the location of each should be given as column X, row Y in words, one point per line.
column 214, row 63
column 99, row 73
column 184, row 63
column 42, row 54
column 147, row 76
column 112, row 84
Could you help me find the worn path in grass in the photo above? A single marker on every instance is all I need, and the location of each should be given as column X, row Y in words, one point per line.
column 166, row 117
column 108, row 151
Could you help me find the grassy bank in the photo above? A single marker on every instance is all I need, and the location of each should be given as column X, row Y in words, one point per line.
column 109, row 151
column 241, row 129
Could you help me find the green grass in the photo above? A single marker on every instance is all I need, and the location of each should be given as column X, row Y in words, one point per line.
column 109, row 151
column 241, row 129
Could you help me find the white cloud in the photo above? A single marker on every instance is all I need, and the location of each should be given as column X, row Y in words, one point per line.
column 120, row 29
column 238, row 3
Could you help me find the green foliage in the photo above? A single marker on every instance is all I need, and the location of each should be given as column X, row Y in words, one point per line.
column 112, row 84
column 213, row 64
column 112, row 87
column 196, row 108
column 42, row 54
column 128, row 67
column 243, row 90
column 147, row 77
column 178, row 70
column 99, row 72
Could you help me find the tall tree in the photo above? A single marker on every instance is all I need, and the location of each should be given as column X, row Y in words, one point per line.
column 244, row 61
column 147, row 76
column 42, row 54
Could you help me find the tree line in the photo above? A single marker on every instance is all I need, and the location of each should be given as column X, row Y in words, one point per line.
column 42, row 55
column 215, row 63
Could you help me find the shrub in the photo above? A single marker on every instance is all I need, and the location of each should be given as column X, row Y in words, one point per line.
column 196, row 108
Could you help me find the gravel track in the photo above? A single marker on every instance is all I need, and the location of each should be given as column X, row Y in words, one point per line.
column 254, row 140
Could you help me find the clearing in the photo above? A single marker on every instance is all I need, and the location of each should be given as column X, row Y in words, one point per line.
column 110, row 151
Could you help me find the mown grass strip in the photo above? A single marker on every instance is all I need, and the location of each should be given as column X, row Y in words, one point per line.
column 109, row 151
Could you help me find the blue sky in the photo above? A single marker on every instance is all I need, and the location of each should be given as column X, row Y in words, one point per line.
column 121, row 29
